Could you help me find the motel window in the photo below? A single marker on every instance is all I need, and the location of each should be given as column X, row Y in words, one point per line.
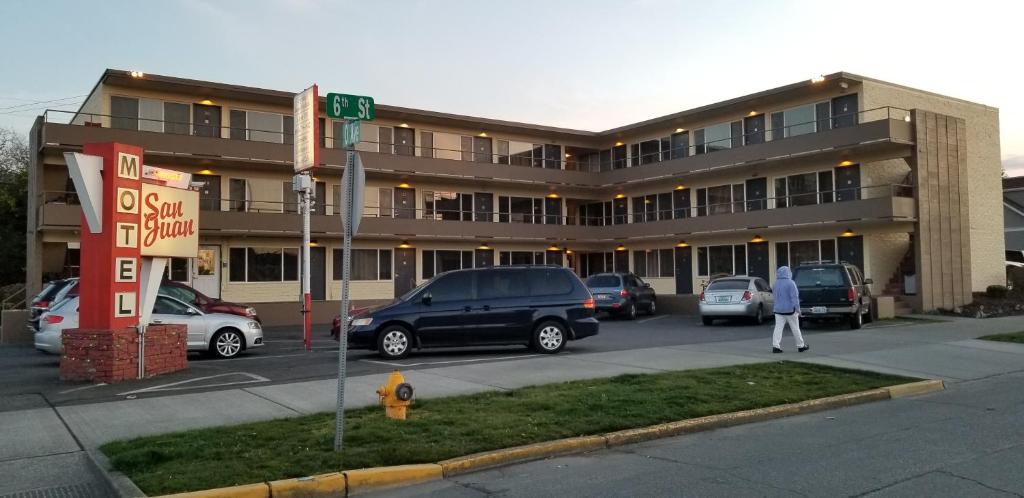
column 722, row 260
column 619, row 157
column 366, row 264
column 435, row 262
column 176, row 118
column 713, row 138
column 506, row 258
column 237, row 194
column 799, row 120
column 652, row 263
column 176, row 270
column 124, row 112
column 799, row 252
column 385, row 140
column 719, row 200
column 451, row 206
column 502, row 151
column 680, row 143
column 264, row 264
column 804, row 189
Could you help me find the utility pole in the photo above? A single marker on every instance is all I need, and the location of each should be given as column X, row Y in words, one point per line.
column 302, row 184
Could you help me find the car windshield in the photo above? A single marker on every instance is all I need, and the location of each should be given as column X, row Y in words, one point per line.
column 603, row 281
column 727, row 285
column 819, row 277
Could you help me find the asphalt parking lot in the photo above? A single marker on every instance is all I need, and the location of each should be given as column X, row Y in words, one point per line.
column 283, row 359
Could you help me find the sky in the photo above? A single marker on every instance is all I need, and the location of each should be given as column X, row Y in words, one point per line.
column 589, row 65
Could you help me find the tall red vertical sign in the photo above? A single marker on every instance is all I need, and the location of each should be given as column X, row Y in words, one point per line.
column 113, row 302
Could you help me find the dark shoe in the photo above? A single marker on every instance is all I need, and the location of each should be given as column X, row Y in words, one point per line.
column 805, row 348
column 776, row 350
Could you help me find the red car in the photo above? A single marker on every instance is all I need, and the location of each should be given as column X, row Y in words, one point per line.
column 191, row 296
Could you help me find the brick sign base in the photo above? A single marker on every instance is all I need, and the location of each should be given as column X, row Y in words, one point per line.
column 113, row 355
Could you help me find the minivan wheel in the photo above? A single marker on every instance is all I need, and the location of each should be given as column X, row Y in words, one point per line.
column 393, row 342
column 227, row 343
column 856, row 320
column 549, row 338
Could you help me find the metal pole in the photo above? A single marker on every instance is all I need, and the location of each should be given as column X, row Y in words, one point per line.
column 307, row 322
column 339, row 419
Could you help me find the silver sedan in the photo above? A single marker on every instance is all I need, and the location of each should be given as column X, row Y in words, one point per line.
column 732, row 297
column 219, row 333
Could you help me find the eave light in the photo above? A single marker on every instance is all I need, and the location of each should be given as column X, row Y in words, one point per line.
column 682, row 243
column 405, row 245
column 847, row 233
column 484, row 247
column 757, row 239
column 621, row 247
column 818, row 79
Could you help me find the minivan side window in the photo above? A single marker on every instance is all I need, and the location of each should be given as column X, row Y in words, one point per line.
column 549, row 282
column 499, row 284
column 456, row 286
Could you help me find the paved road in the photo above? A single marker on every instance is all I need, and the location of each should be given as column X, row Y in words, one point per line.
column 26, row 371
column 966, row 441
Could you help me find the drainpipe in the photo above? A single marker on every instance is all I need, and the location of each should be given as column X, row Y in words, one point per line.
column 142, row 350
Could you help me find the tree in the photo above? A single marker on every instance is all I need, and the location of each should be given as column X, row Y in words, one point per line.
column 14, row 160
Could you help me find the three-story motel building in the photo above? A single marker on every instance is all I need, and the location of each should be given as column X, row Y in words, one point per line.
column 901, row 182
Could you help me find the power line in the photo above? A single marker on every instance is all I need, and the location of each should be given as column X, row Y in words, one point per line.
column 28, row 109
column 30, row 104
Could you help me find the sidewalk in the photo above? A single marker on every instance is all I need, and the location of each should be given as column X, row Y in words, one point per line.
column 945, row 350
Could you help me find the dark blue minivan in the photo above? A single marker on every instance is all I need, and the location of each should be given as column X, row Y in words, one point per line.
column 538, row 306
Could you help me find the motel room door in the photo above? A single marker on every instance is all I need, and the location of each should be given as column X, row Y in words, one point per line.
column 206, row 271
column 757, row 260
column 405, row 270
column 317, row 273
column 684, row 270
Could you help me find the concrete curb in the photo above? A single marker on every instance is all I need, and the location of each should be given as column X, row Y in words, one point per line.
column 916, row 388
column 488, row 459
column 358, row 481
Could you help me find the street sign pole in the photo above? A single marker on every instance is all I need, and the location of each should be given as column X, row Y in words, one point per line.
column 307, row 312
column 306, row 152
column 348, row 227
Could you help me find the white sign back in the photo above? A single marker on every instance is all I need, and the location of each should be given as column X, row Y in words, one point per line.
column 354, row 172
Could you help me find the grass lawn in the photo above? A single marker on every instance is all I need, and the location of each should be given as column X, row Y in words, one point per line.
column 1017, row 337
column 444, row 428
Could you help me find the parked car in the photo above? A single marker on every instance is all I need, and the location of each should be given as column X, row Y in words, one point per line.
column 224, row 335
column 622, row 294
column 538, row 306
column 833, row 290
column 736, row 297
column 183, row 293
column 46, row 298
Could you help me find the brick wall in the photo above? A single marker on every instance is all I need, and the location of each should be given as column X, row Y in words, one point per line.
column 112, row 355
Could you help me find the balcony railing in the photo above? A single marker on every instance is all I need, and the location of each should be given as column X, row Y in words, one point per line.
column 521, row 154
column 830, row 197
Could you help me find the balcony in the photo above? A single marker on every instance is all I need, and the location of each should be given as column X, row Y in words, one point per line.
column 885, row 130
column 886, row 203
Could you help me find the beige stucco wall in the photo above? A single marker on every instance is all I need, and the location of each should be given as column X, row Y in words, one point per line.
column 984, row 171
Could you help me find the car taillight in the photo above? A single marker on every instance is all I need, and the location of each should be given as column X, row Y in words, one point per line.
column 588, row 303
column 624, row 293
column 746, row 296
column 702, row 296
column 53, row 319
column 851, row 294
column 43, row 304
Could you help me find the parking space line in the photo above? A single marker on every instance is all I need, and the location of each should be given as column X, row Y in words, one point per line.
column 172, row 386
column 82, row 388
column 393, row 364
column 645, row 320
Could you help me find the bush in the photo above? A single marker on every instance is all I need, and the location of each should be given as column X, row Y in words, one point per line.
column 996, row 291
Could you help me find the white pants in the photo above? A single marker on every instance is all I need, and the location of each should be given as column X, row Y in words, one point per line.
column 794, row 327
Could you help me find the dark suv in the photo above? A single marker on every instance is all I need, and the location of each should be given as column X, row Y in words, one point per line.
column 538, row 306
column 622, row 294
column 833, row 290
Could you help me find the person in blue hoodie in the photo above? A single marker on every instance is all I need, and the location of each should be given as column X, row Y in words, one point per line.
column 787, row 310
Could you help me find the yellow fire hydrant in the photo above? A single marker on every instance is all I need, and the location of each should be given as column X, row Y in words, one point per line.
column 396, row 395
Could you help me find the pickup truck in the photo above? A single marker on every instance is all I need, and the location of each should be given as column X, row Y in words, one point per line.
column 833, row 290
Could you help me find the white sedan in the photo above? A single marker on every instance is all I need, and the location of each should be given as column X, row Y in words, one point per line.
column 222, row 334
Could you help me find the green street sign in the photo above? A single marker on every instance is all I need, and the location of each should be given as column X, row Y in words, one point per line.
column 342, row 106
column 350, row 134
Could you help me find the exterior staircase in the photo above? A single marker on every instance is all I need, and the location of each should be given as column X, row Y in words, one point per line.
column 894, row 287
